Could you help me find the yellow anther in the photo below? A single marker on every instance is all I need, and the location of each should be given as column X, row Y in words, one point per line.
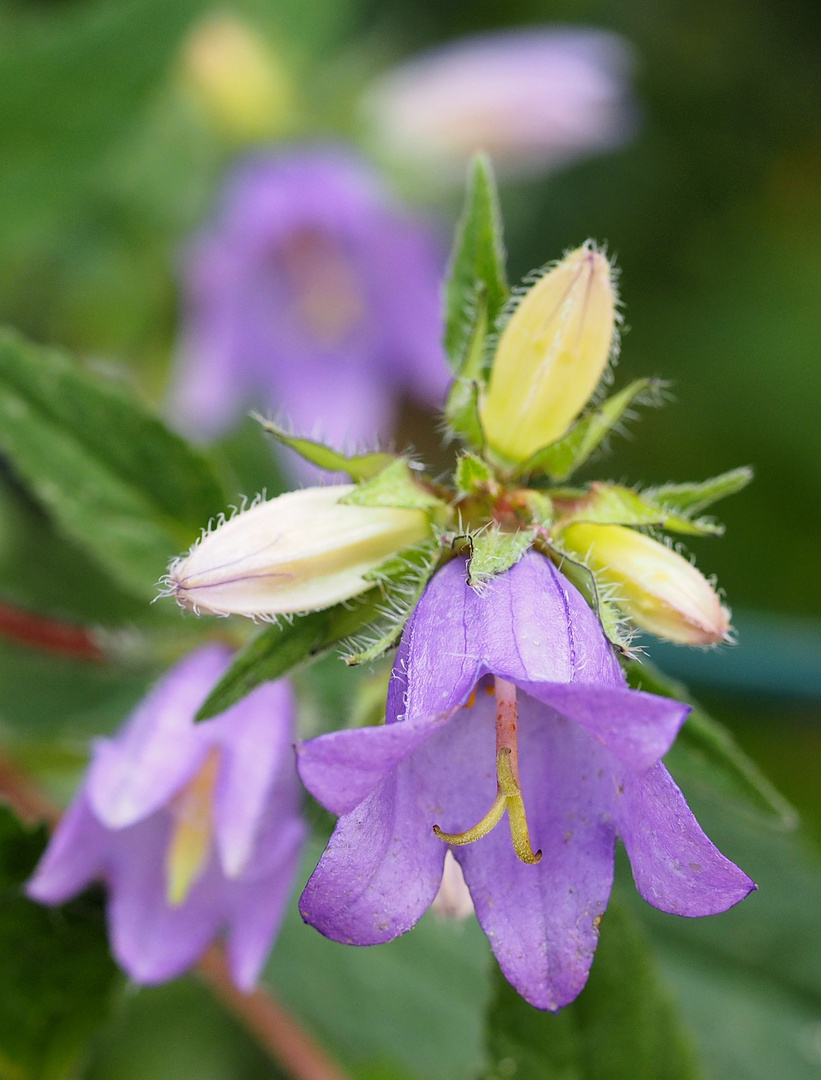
column 190, row 845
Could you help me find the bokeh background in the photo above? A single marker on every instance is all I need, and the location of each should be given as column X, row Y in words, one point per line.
column 713, row 210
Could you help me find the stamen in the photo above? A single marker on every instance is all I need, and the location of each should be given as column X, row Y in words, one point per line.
column 190, row 845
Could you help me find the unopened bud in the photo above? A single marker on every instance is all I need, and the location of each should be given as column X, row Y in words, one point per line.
column 551, row 355
column 237, row 80
column 302, row 551
column 657, row 588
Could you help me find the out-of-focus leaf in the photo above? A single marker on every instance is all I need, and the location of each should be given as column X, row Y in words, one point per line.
column 476, row 283
column 695, row 497
column 623, row 1025
column 57, row 978
column 359, row 467
column 707, row 752
column 112, row 476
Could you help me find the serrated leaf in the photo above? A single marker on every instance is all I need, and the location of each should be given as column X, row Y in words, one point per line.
column 358, row 467
column 395, row 485
column 707, row 750
column 494, row 551
column 57, row 978
column 401, row 581
column 111, row 475
column 472, row 474
column 614, row 504
column 695, row 497
column 568, row 453
column 476, row 278
column 583, row 578
column 283, row 646
column 623, row 1025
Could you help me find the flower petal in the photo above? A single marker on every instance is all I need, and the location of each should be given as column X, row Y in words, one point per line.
column 74, row 857
column 160, row 749
column 675, row 867
column 542, row 920
column 638, row 728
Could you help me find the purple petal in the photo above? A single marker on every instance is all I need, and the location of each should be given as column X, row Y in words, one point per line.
column 255, row 742
column 160, row 749
column 638, row 728
column 675, row 867
column 75, row 856
column 542, row 920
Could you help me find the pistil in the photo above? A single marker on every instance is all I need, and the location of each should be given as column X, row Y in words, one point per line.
column 189, row 848
column 508, row 788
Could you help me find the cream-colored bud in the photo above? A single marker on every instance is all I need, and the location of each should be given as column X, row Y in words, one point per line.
column 551, row 356
column 302, row 551
column 237, row 80
column 658, row 589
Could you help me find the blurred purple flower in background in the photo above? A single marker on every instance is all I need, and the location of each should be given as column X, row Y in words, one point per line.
column 313, row 293
column 534, row 99
column 589, row 751
column 193, row 828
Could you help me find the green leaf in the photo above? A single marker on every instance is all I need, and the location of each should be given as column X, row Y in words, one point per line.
column 359, row 467
column 472, row 474
column 402, row 580
column 614, row 504
column 283, row 645
column 57, row 978
column 396, row 485
column 476, row 280
column 568, row 453
column 112, row 476
column 706, row 751
column 494, row 551
column 695, row 497
column 623, row 1025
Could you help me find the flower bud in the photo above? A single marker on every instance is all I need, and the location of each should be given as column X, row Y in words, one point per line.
column 658, row 589
column 551, row 355
column 236, row 80
column 302, row 551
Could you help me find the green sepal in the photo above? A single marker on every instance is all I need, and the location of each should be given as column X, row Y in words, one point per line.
column 401, row 581
column 359, row 467
column 614, row 504
column 493, row 551
column 112, row 477
column 562, row 457
column 706, row 750
column 623, row 1025
column 462, row 415
column 472, row 475
column 284, row 645
column 539, row 507
column 695, row 497
column 396, row 486
column 476, row 278
column 613, row 623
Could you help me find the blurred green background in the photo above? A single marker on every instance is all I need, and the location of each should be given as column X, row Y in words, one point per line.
column 713, row 211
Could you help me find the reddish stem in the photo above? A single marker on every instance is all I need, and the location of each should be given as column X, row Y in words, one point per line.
column 48, row 635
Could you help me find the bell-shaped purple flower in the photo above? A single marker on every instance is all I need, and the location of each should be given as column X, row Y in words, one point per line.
column 559, row 743
column 194, row 828
column 311, row 292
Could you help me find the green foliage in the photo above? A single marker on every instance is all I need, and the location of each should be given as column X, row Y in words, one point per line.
column 695, row 497
column 395, row 485
column 359, row 467
column 707, row 753
column 57, row 978
column 568, row 453
column 111, row 475
column 494, row 551
column 472, row 474
column 614, row 504
column 476, row 288
column 623, row 1026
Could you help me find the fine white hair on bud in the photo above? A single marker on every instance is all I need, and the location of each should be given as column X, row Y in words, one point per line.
column 551, row 355
column 301, row 551
column 658, row 589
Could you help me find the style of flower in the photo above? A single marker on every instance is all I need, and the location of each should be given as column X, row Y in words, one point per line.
column 509, row 701
column 534, row 99
column 311, row 293
column 193, row 828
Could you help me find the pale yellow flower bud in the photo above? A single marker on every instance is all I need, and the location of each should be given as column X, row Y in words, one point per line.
column 551, row 356
column 237, row 80
column 657, row 588
column 302, row 551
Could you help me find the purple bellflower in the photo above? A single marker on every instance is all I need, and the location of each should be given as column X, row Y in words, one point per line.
column 509, row 700
column 194, row 828
column 310, row 293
